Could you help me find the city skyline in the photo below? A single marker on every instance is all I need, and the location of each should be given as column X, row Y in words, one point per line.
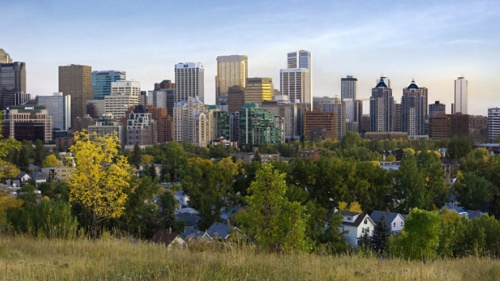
column 436, row 44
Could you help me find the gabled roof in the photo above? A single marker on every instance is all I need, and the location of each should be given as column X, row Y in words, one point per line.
column 21, row 175
column 359, row 219
column 38, row 176
column 164, row 236
column 193, row 234
column 219, row 230
column 389, row 216
column 32, row 167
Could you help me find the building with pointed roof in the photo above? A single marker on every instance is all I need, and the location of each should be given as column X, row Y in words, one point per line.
column 414, row 110
column 382, row 107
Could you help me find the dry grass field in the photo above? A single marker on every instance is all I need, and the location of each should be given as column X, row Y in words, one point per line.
column 110, row 259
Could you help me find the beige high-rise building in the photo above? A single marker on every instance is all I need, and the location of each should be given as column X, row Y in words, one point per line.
column 258, row 89
column 76, row 81
column 231, row 71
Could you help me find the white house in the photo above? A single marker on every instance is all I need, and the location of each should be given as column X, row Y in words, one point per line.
column 356, row 225
column 395, row 221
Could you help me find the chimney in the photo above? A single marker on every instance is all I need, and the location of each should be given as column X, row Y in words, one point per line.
column 388, row 211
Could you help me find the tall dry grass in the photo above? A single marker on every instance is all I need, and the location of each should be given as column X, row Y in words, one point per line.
column 24, row 258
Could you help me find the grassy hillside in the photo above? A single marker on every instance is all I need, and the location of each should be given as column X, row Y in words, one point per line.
column 30, row 259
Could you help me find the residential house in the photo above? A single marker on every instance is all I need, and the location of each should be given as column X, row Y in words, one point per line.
column 223, row 231
column 39, row 178
column 356, row 225
column 23, row 178
column 463, row 212
column 172, row 240
column 394, row 221
column 196, row 235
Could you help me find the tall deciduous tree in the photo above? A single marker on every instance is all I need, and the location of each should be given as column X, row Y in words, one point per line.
column 410, row 185
column 209, row 186
column 274, row 222
column 458, row 147
column 420, row 237
column 473, row 191
column 100, row 179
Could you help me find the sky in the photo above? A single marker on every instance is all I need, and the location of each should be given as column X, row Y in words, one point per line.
column 433, row 42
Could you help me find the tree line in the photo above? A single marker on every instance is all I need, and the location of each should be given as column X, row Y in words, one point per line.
column 107, row 193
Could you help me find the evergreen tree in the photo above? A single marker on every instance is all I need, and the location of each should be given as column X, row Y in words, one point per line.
column 39, row 153
column 380, row 236
column 333, row 237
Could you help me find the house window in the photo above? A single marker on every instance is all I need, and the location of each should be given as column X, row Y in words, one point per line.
column 394, row 224
column 366, row 221
column 401, row 223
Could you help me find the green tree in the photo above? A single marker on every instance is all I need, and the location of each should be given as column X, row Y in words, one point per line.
column 380, row 236
column 174, row 157
column 49, row 219
column 168, row 204
column 140, row 217
column 333, row 238
column 209, row 186
column 274, row 222
column 7, row 202
column 8, row 146
column 410, row 185
column 135, row 157
column 39, row 153
column 436, row 188
column 458, row 147
column 23, row 156
column 419, row 240
column 472, row 191
column 101, row 178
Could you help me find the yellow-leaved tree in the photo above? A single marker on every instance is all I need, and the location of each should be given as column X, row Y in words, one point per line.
column 100, row 179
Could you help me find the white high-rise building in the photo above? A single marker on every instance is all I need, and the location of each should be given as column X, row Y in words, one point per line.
column 189, row 81
column 461, row 93
column 124, row 94
column 192, row 122
column 295, row 84
column 296, row 79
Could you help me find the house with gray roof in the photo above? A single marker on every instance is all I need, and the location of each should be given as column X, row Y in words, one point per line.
column 222, row 231
column 395, row 221
column 356, row 225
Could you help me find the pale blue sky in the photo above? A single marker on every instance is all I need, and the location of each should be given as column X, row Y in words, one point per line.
column 431, row 41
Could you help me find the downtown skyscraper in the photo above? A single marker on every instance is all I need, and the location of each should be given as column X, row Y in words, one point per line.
column 76, row 81
column 414, row 110
column 231, row 71
column 461, row 95
column 296, row 79
column 189, row 81
column 101, row 81
column 353, row 107
column 382, row 107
